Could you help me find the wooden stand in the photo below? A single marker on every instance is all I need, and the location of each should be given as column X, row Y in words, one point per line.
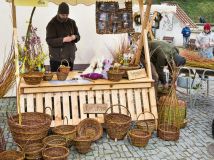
column 68, row 97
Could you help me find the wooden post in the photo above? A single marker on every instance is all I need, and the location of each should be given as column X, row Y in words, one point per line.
column 149, row 26
column 16, row 61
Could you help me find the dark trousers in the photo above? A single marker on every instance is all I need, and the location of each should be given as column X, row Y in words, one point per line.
column 55, row 65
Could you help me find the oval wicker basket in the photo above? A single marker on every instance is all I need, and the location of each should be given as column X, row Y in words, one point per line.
column 48, row 76
column 33, row 78
column 54, row 140
column 91, row 128
column 128, row 68
column 12, row 155
column 139, row 137
column 34, row 127
column 66, row 131
column 114, row 75
column 168, row 132
column 82, row 144
column 2, row 141
column 55, row 153
column 149, row 122
column 117, row 124
column 64, row 69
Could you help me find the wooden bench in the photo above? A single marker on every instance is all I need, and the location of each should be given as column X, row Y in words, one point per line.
column 168, row 39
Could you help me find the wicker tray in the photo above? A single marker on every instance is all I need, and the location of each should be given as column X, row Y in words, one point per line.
column 55, row 153
column 91, row 128
column 117, row 124
column 33, row 78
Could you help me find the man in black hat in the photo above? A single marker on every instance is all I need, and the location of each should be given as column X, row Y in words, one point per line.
column 61, row 36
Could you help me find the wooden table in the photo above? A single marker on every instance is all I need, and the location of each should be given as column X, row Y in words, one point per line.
column 66, row 98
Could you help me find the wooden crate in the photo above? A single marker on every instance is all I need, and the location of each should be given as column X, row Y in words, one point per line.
column 68, row 99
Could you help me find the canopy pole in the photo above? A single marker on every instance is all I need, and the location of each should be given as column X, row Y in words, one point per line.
column 16, row 61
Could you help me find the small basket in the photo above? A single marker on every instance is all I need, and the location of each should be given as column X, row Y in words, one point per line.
column 33, row 78
column 12, row 155
column 117, row 124
column 55, row 153
column 139, row 137
column 82, row 144
column 64, row 69
column 128, row 68
column 33, row 151
column 48, row 76
column 114, row 75
column 54, row 141
column 168, row 132
column 150, row 124
column 2, row 141
column 61, row 76
column 66, row 131
column 91, row 128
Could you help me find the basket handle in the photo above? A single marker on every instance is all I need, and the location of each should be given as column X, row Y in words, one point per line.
column 143, row 113
column 65, row 60
column 65, row 117
column 50, row 110
column 118, row 106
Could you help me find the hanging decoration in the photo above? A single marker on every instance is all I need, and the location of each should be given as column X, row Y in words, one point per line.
column 111, row 20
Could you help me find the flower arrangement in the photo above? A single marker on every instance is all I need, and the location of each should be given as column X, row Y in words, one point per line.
column 31, row 55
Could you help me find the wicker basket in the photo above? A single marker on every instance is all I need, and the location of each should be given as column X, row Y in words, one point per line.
column 33, row 151
column 54, row 141
column 139, row 137
column 91, row 128
column 2, row 141
column 33, row 78
column 150, row 123
column 55, row 153
column 12, row 155
column 48, row 76
column 117, row 124
column 66, row 131
column 168, row 132
column 64, row 69
column 34, row 127
column 61, row 76
column 82, row 144
column 114, row 75
column 128, row 68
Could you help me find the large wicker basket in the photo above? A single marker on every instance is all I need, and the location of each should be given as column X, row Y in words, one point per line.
column 168, row 132
column 2, row 141
column 34, row 127
column 82, row 144
column 117, row 124
column 91, row 128
column 150, row 124
column 64, row 69
column 33, row 78
column 66, row 131
column 12, row 155
column 139, row 137
column 114, row 75
column 55, row 153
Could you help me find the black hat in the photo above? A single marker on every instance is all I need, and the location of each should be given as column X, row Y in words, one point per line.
column 179, row 60
column 63, row 8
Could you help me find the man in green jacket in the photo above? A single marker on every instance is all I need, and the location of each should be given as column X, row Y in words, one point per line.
column 162, row 54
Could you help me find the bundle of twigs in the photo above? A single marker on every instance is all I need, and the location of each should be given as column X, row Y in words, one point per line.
column 7, row 74
column 195, row 60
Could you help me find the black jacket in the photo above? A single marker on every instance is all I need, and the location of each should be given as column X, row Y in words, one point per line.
column 55, row 32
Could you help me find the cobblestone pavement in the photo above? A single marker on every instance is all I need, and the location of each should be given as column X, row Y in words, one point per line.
column 192, row 144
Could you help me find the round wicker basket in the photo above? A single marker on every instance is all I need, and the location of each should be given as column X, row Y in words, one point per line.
column 64, row 69
column 82, row 144
column 33, row 78
column 12, row 155
column 55, row 153
column 91, row 128
column 150, row 123
column 48, row 76
column 168, row 132
column 33, row 151
column 114, row 75
column 54, row 140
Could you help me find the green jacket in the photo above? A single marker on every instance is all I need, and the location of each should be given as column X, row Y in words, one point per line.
column 161, row 54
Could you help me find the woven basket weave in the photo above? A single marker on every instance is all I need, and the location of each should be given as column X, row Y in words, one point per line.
column 65, row 69
column 55, row 153
column 33, row 78
column 150, row 124
column 11, row 155
column 117, row 124
column 82, row 144
column 168, row 132
column 2, row 141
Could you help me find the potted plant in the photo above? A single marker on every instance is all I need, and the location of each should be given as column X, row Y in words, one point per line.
column 31, row 57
